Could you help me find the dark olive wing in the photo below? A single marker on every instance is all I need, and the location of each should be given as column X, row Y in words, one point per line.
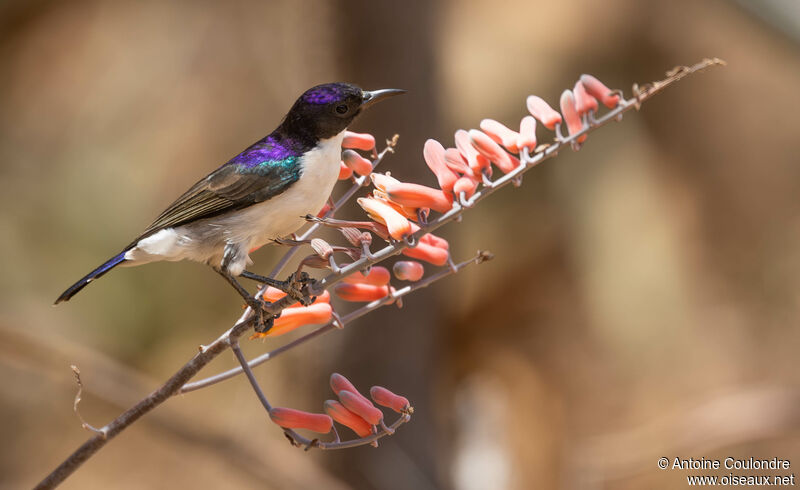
column 229, row 188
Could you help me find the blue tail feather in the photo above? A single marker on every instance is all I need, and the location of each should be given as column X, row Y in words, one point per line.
column 110, row 264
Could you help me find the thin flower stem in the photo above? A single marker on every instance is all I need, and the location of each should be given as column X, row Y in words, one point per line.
column 328, row 446
column 249, row 373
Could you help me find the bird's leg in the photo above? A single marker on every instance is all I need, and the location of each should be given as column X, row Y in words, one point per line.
column 264, row 319
column 296, row 286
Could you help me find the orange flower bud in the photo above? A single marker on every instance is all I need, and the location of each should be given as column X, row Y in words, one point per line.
column 406, row 211
column 428, row 253
column 501, row 134
column 358, row 141
column 381, row 212
column 433, row 153
column 339, row 383
column 419, row 196
column 356, row 162
column 386, row 398
column 527, row 133
column 571, row 117
column 324, row 210
column 583, row 101
column 345, row 172
column 477, row 162
column 361, row 407
column 272, row 294
column 597, row 89
column 382, row 181
column 378, row 276
column 435, row 241
column 408, row 270
column 297, row 316
column 491, row 150
column 467, row 185
column 289, row 418
column 455, row 161
column 542, row 111
column 339, row 413
column 360, row 292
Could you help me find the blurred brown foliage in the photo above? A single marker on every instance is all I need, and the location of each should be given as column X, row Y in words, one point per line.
column 644, row 299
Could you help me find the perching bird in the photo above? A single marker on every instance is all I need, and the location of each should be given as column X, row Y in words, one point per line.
column 260, row 195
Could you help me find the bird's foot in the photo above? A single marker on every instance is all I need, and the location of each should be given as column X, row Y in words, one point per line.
column 298, row 287
column 264, row 319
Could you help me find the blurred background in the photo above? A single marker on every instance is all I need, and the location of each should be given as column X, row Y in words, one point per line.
column 644, row 300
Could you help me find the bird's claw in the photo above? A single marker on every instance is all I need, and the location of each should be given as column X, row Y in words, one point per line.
column 264, row 319
column 297, row 287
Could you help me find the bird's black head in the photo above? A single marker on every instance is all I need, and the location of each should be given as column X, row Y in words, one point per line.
column 326, row 110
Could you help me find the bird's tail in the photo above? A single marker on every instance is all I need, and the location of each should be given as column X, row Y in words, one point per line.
column 72, row 290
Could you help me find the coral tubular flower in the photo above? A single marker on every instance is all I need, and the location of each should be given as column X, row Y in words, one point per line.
column 456, row 162
column 571, row 116
column 583, row 101
column 338, row 383
column 597, row 89
column 359, row 164
column 501, row 134
column 345, row 172
column 361, row 407
column 428, row 253
column 378, row 276
column 324, row 210
column 435, row 241
column 358, row 141
column 382, row 181
column 360, row 292
column 342, row 415
column 478, row 163
column 295, row 317
column 467, row 185
column 397, row 224
column 527, row 133
column 408, row 212
column 433, row 153
column 408, row 270
column 419, row 196
column 325, row 297
column 272, row 294
column 289, row 418
column 491, row 150
column 542, row 111
column 386, row 398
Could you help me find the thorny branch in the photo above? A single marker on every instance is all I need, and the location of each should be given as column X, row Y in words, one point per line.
column 178, row 382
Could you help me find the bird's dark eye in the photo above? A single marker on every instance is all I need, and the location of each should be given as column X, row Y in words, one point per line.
column 341, row 109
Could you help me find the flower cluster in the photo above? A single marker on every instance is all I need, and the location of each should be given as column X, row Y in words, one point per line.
column 352, row 410
column 401, row 214
column 461, row 169
column 398, row 209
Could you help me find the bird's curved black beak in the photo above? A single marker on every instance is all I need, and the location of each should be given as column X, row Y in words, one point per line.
column 371, row 97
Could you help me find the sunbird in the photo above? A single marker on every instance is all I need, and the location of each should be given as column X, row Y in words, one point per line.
column 260, row 195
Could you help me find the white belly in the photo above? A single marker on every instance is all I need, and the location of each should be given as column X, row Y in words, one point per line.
column 285, row 214
column 250, row 228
